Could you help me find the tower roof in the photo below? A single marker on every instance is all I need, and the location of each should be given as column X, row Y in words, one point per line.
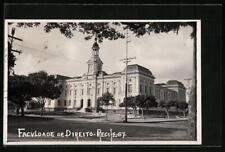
column 95, row 46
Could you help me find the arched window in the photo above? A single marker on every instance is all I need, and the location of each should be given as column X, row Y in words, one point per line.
column 81, row 103
column 89, row 103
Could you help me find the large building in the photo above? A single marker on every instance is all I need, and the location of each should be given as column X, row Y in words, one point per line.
column 82, row 92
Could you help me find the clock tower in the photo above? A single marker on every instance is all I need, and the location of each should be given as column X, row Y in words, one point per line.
column 94, row 63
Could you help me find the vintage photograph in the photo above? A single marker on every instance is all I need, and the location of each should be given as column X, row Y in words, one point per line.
column 84, row 82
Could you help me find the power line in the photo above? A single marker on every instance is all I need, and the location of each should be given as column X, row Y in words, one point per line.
column 44, row 52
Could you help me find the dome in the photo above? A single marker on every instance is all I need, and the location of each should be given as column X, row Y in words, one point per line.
column 95, row 46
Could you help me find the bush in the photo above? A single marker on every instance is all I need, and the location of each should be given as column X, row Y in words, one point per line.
column 182, row 105
column 88, row 110
column 100, row 109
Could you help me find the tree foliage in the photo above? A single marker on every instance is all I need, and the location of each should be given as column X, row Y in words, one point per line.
column 39, row 85
column 183, row 106
column 166, row 105
column 150, row 101
column 19, row 91
column 105, row 99
column 140, row 101
column 108, row 30
column 142, row 28
column 130, row 102
column 46, row 87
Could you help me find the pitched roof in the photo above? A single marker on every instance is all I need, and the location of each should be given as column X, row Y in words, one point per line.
column 138, row 68
column 175, row 82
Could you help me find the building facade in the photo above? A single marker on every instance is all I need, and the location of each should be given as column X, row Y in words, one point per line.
column 82, row 92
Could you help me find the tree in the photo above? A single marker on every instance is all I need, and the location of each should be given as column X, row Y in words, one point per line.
column 183, row 106
column 143, row 101
column 150, row 101
column 140, row 102
column 105, row 31
column 165, row 105
column 105, row 100
column 46, row 87
column 19, row 90
column 130, row 103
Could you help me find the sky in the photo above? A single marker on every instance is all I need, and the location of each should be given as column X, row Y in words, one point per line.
column 167, row 55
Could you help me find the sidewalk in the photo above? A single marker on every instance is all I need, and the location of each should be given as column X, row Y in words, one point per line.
column 101, row 118
column 149, row 120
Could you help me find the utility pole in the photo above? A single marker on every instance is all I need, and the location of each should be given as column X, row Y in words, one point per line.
column 126, row 61
column 10, row 47
column 12, row 39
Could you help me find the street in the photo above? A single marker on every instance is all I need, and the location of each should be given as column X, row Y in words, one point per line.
column 90, row 130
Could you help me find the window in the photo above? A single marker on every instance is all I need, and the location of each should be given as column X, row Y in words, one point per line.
column 75, row 92
column 74, row 103
column 81, row 103
column 64, row 102
column 58, row 102
column 140, row 88
column 129, row 88
column 69, row 102
column 89, row 103
column 114, row 90
column 82, row 91
column 98, row 91
column 88, row 91
column 107, row 89
column 150, row 90
column 70, row 92
column 65, row 92
column 119, row 89
column 145, row 89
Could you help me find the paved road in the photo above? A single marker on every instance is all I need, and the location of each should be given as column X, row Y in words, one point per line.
column 79, row 129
